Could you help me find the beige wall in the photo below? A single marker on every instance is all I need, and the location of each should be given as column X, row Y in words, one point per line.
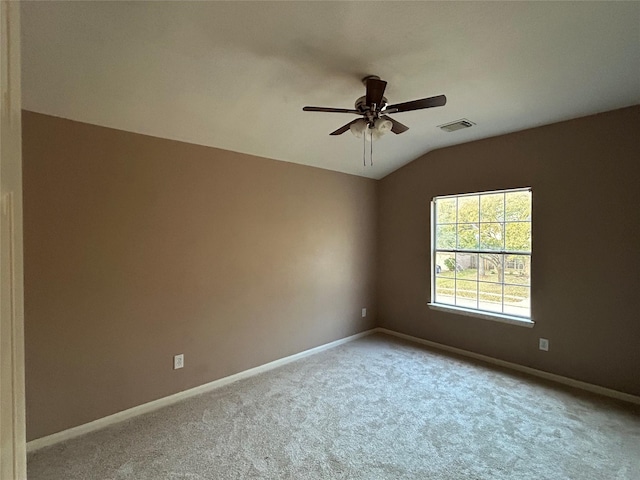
column 139, row 248
column 585, row 176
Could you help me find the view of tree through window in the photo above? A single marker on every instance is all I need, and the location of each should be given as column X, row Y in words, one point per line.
column 482, row 251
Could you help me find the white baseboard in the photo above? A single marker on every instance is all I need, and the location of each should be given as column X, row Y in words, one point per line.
column 607, row 392
column 177, row 397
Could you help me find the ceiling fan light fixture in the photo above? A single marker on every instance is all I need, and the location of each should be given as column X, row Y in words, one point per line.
column 361, row 127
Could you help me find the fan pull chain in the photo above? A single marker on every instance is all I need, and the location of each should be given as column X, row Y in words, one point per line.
column 371, row 151
column 364, row 149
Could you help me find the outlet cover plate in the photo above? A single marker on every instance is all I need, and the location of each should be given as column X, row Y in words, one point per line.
column 178, row 361
column 364, row 312
column 544, row 344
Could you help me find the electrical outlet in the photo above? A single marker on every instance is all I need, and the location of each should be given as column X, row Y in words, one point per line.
column 544, row 344
column 364, row 312
column 178, row 361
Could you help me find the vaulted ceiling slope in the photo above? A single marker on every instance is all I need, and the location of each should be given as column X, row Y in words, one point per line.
column 235, row 75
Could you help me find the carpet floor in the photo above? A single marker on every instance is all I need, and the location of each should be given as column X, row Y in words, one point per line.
column 374, row 408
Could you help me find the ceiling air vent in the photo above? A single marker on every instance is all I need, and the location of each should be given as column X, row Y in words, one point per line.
column 457, row 125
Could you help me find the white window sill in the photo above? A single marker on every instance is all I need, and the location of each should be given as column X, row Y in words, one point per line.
column 496, row 317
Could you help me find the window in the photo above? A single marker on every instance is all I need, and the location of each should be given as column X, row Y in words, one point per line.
column 481, row 254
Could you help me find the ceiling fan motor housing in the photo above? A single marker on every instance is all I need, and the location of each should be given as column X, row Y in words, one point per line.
column 361, row 104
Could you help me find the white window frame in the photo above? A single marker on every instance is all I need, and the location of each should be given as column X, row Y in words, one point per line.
column 468, row 311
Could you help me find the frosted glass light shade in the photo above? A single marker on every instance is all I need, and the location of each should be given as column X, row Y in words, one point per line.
column 358, row 128
column 383, row 126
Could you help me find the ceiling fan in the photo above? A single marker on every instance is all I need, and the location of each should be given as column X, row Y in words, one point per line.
column 374, row 109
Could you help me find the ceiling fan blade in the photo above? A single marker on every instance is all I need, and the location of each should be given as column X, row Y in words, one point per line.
column 344, row 128
column 330, row 110
column 397, row 127
column 438, row 101
column 375, row 91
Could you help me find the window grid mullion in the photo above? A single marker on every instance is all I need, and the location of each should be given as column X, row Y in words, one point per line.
column 493, row 252
column 509, row 190
column 479, row 226
column 455, row 279
column 504, row 221
column 478, row 280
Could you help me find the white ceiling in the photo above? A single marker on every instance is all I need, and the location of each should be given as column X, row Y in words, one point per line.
column 235, row 75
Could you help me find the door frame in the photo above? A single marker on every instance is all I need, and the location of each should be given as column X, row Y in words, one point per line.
column 12, row 387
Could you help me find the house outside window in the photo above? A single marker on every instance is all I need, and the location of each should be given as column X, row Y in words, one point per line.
column 481, row 253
